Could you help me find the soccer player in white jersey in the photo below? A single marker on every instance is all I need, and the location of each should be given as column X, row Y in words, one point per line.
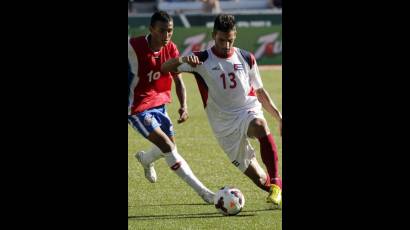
column 233, row 96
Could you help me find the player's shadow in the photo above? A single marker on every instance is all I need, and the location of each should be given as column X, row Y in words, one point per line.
column 184, row 216
column 244, row 213
column 194, row 204
column 261, row 210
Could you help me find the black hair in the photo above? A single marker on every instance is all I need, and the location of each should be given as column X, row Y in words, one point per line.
column 224, row 23
column 160, row 16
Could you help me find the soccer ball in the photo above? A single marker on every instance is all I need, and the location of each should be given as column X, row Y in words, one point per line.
column 229, row 201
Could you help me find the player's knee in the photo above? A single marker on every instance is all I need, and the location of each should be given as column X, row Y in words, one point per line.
column 259, row 127
column 260, row 123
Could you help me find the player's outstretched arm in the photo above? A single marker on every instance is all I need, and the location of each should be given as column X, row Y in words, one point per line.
column 181, row 93
column 269, row 106
column 172, row 64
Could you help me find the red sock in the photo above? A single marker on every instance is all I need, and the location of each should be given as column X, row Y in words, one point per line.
column 269, row 154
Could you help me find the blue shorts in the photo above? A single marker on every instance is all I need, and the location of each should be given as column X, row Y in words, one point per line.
column 148, row 120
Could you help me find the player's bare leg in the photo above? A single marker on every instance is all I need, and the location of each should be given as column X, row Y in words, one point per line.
column 269, row 154
column 147, row 158
column 257, row 175
column 178, row 164
column 162, row 142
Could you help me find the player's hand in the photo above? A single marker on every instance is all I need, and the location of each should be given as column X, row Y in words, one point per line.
column 192, row 60
column 183, row 115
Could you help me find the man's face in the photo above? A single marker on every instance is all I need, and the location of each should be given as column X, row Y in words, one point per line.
column 224, row 41
column 161, row 32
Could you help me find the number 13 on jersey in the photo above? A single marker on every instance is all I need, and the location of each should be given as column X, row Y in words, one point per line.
column 232, row 80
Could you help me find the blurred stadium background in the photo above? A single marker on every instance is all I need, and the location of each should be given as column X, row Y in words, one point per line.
column 259, row 24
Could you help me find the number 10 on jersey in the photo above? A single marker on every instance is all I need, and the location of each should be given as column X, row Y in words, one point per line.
column 153, row 76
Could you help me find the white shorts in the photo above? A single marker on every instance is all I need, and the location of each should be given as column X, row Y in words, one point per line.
column 236, row 145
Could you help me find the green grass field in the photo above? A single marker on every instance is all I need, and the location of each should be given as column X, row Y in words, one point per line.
column 171, row 203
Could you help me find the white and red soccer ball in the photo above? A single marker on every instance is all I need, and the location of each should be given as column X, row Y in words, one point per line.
column 229, row 201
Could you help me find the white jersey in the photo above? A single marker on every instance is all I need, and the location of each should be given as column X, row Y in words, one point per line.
column 227, row 87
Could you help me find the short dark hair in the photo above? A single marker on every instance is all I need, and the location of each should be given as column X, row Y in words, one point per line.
column 161, row 16
column 224, row 23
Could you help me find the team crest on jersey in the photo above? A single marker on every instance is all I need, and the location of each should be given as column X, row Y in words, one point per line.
column 237, row 66
column 148, row 119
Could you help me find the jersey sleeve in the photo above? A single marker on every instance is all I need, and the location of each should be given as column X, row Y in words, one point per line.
column 254, row 74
